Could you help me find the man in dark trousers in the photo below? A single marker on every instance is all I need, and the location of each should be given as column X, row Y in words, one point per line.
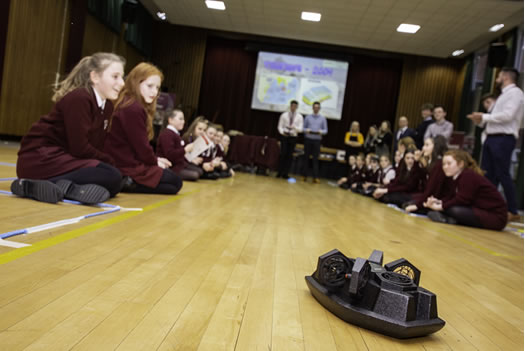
column 502, row 128
column 426, row 114
column 290, row 124
column 315, row 127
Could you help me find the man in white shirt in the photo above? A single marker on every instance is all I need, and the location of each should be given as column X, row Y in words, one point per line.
column 502, row 128
column 290, row 124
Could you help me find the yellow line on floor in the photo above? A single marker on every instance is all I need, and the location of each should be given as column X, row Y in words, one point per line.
column 18, row 253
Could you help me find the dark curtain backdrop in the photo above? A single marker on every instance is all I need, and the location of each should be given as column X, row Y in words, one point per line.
column 227, row 85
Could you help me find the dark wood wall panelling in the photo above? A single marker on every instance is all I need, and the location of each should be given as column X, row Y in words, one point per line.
column 426, row 79
column 32, row 55
column 179, row 52
column 4, row 20
column 99, row 37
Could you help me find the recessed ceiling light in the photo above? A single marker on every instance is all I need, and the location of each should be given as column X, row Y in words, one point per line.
column 408, row 28
column 311, row 16
column 496, row 27
column 216, row 5
column 161, row 15
column 458, row 52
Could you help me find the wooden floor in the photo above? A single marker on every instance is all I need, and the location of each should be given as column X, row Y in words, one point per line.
column 221, row 267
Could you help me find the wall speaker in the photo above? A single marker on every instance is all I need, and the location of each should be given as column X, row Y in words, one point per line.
column 497, row 55
column 129, row 11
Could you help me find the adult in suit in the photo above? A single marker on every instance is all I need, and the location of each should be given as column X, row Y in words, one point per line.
column 426, row 114
column 403, row 131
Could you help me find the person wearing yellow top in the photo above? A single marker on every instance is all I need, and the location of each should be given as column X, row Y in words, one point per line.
column 353, row 140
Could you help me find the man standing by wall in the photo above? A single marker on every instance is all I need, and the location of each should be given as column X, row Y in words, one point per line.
column 502, row 128
column 315, row 127
column 403, row 131
column 426, row 114
column 290, row 124
column 441, row 126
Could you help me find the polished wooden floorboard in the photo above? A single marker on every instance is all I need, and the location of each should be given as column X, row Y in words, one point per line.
column 221, row 267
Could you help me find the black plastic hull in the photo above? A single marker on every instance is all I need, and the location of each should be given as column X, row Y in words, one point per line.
column 370, row 320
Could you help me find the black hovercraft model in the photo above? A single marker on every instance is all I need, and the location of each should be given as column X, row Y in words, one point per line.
column 385, row 299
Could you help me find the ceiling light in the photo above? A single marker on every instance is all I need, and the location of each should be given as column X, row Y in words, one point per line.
column 408, row 28
column 161, row 15
column 458, row 52
column 496, row 27
column 216, row 5
column 311, row 16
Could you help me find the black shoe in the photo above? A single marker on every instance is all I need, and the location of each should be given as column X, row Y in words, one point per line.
column 40, row 190
column 225, row 174
column 127, row 184
column 286, row 176
column 439, row 217
column 89, row 194
column 210, row 175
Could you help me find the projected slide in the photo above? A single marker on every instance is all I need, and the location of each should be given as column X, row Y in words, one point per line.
column 281, row 78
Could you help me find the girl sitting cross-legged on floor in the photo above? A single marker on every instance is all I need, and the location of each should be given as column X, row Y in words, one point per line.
column 407, row 182
column 470, row 198
column 171, row 146
column 431, row 162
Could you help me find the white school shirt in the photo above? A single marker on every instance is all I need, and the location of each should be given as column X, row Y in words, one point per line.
column 284, row 122
column 507, row 113
column 100, row 101
column 172, row 128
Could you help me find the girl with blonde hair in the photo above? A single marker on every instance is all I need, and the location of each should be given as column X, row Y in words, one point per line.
column 66, row 146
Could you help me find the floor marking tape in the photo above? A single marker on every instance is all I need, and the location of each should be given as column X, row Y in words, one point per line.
column 18, row 253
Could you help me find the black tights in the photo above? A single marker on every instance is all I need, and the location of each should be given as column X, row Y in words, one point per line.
column 396, row 198
column 170, row 183
column 463, row 215
column 103, row 174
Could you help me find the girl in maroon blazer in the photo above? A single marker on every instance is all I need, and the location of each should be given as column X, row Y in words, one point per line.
column 358, row 174
column 223, row 168
column 407, row 181
column 66, row 146
column 209, row 161
column 431, row 162
column 470, row 199
column 171, row 146
column 195, row 130
column 343, row 182
column 131, row 131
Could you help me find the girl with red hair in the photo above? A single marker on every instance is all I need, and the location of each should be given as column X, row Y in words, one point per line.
column 470, row 199
column 131, row 131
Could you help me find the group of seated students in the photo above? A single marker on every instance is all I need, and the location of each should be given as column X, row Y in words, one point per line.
column 446, row 185
column 95, row 142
